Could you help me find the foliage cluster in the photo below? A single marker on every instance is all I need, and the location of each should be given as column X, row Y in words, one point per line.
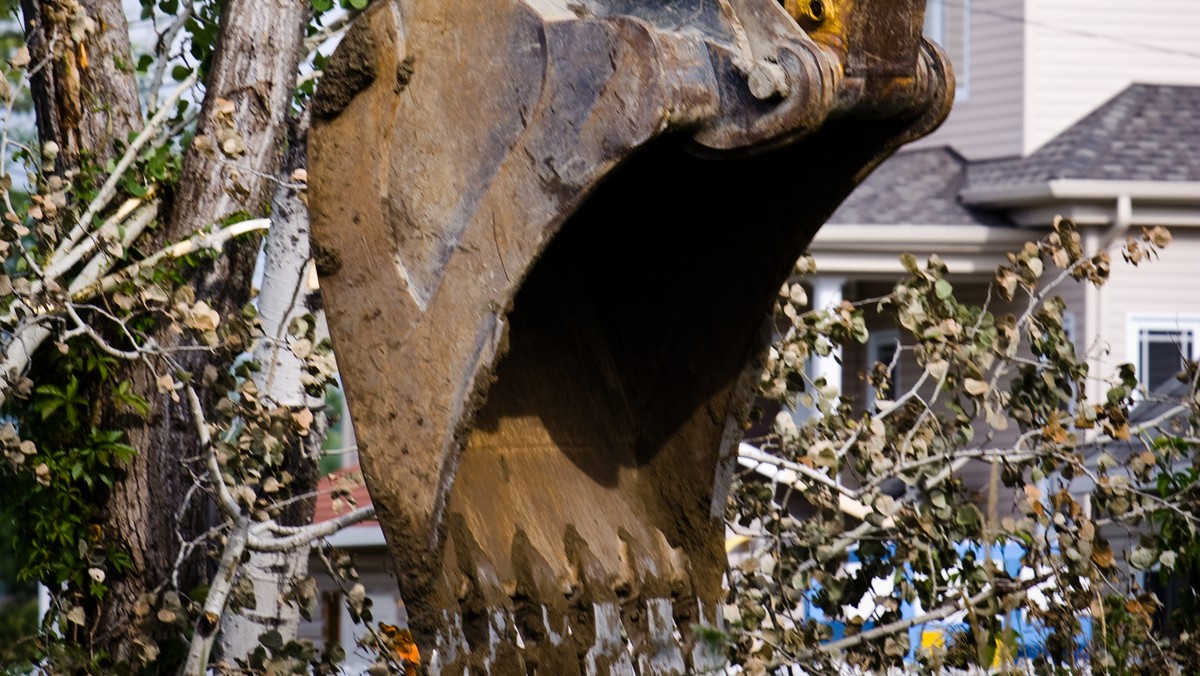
column 867, row 520
column 88, row 292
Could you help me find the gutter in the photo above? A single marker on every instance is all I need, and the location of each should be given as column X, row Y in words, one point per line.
column 902, row 237
column 1081, row 189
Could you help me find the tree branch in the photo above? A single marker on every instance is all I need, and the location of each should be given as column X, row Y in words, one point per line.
column 305, row 535
column 218, row 595
column 229, row 505
column 933, row 616
column 206, row 240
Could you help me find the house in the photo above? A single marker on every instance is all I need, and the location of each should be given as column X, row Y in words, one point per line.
column 364, row 542
column 1131, row 163
column 1089, row 110
column 1048, row 120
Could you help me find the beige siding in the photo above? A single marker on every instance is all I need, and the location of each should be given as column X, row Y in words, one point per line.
column 1032, row 68
column 1168, row 288
column 987, row 118
column 1080, row 53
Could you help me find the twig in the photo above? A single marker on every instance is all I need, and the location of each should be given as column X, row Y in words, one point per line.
column 338, row 580
column 229, row 505
column 165, row 41
column 807, row 472
column 901, row 625
column 218, row 594
column 85, row 328
column 305, row 535
column 336, row 26
column 60, row 264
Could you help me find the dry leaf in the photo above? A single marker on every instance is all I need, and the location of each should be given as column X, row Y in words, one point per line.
column 975, row 387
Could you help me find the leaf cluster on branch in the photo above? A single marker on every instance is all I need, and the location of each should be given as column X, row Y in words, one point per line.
column 866, row 517
column 147, row 416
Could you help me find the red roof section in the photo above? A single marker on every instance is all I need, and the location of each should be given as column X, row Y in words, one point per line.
column 324, row 509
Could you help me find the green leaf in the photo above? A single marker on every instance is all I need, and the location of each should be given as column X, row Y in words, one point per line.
column 968, row 516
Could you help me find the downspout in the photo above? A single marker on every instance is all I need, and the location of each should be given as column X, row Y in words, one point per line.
column 1094, row 299
column 1122, row 219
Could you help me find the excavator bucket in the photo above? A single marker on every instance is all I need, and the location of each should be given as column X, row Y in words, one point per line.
column 550, row 233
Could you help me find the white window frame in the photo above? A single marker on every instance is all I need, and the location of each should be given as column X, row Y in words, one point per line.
column 935, row 29
column 875, row 342
column 1137, row 323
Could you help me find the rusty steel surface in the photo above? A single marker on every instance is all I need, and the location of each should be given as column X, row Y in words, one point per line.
column 549, row 234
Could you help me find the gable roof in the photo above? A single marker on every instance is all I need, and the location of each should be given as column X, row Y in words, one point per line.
column 1145, row 133
column 914, row 187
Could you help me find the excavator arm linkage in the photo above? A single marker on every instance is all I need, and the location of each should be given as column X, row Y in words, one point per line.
column 549, row 234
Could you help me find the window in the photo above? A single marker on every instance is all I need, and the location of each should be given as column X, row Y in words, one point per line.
column 948, row 23
column 882, row 347
column 1158, row 347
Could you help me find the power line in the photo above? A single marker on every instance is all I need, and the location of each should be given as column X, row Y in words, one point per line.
column 1071, row 30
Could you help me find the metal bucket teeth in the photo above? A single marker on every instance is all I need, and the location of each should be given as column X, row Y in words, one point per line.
column 550, row 234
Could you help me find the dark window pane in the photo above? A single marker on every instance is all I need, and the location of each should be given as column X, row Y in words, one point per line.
column 1162, row 354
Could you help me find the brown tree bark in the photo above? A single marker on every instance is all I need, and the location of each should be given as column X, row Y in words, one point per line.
column 229, row 170
column 86, row 101
column 86, row 96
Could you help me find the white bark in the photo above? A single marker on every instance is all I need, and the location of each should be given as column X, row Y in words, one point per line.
column 288, row 283
column 271, row 575
column 218, row 595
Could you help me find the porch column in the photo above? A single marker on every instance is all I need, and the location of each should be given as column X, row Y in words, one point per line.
column 827, row 293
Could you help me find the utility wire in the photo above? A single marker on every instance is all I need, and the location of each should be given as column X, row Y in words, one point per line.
column 967, row 9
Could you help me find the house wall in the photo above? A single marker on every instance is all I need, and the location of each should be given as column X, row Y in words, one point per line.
column 374, row 568
column 987, row 119
column 1080, row 53
column 1032, row 68
column 855, row 362
column 976, row 476
column 1167, row 287
column 1074, row 294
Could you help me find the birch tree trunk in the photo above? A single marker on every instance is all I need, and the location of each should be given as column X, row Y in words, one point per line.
column 289, row 291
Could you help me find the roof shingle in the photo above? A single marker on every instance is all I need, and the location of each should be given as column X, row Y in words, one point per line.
column 1146, row 133
column 914, row 187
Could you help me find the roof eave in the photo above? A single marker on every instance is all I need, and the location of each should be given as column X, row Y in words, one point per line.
column 872, row 251
column 1041, row 193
